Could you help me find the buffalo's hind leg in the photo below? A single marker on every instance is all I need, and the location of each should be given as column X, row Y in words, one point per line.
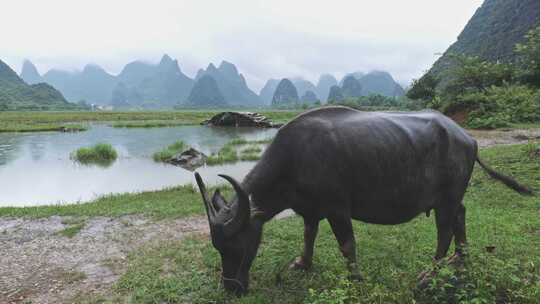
column 444, row 218
column 343, row 230
column 305, row 261
column 460, row 235
column 447, row 221
column 459, row 231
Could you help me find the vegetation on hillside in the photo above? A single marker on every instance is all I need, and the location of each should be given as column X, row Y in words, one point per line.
column 100, row 154
column 493, row 31
column 15, row 94
column 486, row 94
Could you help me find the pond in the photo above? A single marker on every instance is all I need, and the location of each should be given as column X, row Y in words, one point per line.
column 36, row 169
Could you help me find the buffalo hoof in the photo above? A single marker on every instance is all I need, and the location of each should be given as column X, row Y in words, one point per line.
column 455, row 260
column 300, row 264
column 424, row 278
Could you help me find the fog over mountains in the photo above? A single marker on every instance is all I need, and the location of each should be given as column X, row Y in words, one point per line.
column 375, row 82
column 164, row 85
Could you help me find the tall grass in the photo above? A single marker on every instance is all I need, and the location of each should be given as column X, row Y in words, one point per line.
column 233, row 152
column 170, row 151
column 101, row 154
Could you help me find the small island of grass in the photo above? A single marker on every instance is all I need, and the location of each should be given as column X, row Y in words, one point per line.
column 170, row 151
column 233, row 151
column 101, row 154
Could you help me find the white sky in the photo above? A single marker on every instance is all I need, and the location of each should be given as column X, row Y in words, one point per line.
column 265, row 39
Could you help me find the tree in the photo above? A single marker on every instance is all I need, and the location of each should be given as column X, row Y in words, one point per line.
column 529, row 58
column 472, row 74
column 424, row 88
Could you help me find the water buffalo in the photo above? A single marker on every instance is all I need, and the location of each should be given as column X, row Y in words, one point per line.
column 337, row 163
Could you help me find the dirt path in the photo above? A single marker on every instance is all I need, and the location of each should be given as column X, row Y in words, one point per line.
column 38, row 264
column 499, row 137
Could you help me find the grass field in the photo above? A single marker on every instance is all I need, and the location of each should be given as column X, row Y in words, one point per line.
column 502, row 267
column 54, row 121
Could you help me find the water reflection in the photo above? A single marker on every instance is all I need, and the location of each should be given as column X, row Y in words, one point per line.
column 36, row 168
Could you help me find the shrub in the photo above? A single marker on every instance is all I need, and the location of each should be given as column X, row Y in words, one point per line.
column 499, row 106
column 102, row 154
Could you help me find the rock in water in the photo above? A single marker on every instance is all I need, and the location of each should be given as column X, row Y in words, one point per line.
column 240, row 119
column 190, row 159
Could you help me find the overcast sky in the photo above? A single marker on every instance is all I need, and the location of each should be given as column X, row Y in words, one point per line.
column 265, row 39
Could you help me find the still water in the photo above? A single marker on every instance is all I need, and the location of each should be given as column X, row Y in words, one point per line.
column 36, row 169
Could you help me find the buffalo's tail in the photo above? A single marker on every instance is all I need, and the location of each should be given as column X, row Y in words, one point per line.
column 508, row 181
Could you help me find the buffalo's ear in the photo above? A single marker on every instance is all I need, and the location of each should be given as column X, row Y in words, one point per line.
column 219, row 201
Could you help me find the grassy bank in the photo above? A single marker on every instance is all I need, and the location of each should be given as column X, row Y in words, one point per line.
column 170, row 203
column 54, row 121
column 23, row 127
column 390, row 257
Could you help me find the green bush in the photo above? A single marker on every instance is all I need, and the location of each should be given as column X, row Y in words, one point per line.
column 499, row 106
column 101, row 154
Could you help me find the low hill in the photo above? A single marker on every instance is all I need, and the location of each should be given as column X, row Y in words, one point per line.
column 232, row 84
column 206, row 94
column 285, row 94
column 15, row 94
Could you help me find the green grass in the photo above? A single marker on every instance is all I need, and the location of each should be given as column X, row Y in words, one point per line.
column 227, row 154
column 42, row 128
column 232, row 152
column 74, row 128
column 101, row 154
column 151, row 124
column 170, row 151
column 169, row 203
column 251, row 149
column 72, row 230
column 532, row 149
column 54, row 121
column 390, row 257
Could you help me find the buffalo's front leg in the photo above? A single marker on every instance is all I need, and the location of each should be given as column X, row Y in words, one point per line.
column 305, row 261
column 343, row 230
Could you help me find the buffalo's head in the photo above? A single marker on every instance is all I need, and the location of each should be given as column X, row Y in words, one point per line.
column 233, row 234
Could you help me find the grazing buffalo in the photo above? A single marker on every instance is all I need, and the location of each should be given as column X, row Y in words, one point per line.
column 337, row 163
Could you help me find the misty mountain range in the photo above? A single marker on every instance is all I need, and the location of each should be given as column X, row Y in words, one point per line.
column 164, row 85
column 376, row 82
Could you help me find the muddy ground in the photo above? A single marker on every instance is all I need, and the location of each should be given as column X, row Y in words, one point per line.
column 40, row 264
